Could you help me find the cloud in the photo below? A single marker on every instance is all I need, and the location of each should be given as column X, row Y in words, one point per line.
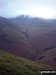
column 3, row 3
column 9, row 8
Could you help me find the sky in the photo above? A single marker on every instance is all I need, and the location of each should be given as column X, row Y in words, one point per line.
column 35, row 8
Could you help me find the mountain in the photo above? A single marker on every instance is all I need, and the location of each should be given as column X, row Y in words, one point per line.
column 14, row 65
column 32, row 22
column 13, row 40
column 31, row 38
column 48, row 57
column 41, row 33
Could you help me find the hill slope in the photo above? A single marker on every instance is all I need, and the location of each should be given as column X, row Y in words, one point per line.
column 41, row 33
column 13, row 40
column 48, row 57
column 13, row 65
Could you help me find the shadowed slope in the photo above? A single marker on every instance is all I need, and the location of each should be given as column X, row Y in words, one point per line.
column 13, row 40
column 41, row 33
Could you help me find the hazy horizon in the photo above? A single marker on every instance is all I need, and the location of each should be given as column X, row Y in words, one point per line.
column 35, row 8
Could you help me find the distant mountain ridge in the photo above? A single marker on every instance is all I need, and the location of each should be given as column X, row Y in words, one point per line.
column 32, row 20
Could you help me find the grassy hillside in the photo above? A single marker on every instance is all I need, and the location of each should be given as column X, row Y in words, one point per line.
column 14, row 65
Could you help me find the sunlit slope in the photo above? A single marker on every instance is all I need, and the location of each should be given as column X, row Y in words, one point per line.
column 14, row 65
column 13, row 40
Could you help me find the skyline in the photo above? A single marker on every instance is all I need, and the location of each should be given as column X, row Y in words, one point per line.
column 35, row 8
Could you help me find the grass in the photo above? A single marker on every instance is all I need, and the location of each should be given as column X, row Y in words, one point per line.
column 14, row 65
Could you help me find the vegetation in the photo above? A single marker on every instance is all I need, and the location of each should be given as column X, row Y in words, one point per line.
column 14, row 65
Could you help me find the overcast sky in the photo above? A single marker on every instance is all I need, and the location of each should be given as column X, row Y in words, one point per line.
column 34, row 8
